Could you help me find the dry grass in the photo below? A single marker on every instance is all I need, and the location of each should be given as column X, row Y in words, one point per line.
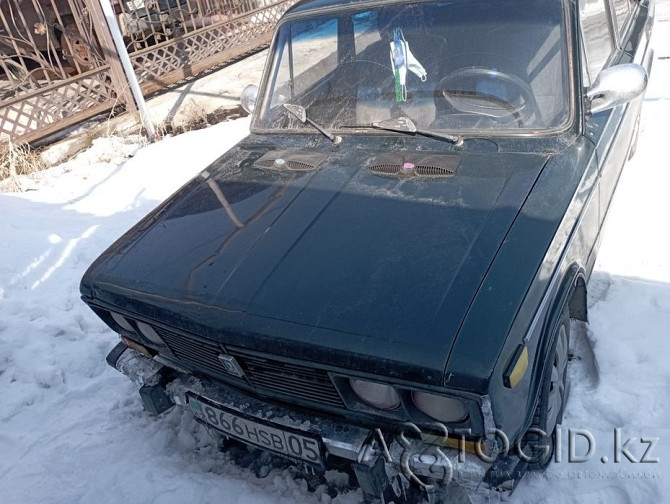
column 18, row 160
column 197, row 118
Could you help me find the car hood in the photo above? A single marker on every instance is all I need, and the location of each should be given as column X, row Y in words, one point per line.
column 336, row 265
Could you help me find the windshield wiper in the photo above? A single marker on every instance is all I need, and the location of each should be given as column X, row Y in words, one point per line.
column 300, row 112
column 406, row 125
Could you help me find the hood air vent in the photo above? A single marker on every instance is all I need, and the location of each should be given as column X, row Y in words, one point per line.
column 415, row 165
column 291, row 160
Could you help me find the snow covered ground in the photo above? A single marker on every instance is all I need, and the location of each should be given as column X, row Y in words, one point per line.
column 73, row 430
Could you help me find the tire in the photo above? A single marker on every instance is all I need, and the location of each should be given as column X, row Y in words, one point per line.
column 553, row 396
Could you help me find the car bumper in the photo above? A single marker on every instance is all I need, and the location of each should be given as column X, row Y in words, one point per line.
column 359, row 445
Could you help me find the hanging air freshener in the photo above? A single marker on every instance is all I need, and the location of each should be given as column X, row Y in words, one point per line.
column 402, row 60
column 399, row 67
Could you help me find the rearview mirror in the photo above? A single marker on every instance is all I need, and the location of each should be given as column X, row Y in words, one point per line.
column 248, row 98
column 616, row 85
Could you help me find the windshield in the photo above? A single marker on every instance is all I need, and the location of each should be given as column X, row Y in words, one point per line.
column 453, row 66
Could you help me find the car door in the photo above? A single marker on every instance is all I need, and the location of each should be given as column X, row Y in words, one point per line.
column 613, row 32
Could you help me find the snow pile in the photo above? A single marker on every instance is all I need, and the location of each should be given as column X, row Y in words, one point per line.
column 73, row 430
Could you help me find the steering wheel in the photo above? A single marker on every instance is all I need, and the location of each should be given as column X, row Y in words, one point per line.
column 489, row 92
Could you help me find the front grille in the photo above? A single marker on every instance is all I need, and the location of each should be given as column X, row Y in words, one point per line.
column 204, row 354
column 294, row 380
column 263, row 373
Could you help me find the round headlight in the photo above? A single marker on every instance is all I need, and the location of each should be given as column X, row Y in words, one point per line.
column 122, row 322
column 149, row 333
column 377, row 395
column 443, row 409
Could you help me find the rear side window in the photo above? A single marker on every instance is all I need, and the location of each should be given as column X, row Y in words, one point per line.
column 596, row 32
column 621, row 10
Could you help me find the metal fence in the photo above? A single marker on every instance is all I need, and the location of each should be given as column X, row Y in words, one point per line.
column 193, row 35
column 58, row 65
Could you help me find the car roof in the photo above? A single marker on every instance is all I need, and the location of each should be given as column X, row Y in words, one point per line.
column 305, row 6
column 310, row 5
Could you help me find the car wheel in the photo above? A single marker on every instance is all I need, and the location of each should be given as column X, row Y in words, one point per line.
column 553, row 396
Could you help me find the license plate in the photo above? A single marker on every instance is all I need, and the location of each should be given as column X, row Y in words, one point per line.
column 275, row 439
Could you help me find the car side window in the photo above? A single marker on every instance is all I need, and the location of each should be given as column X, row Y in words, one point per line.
column 596, row 34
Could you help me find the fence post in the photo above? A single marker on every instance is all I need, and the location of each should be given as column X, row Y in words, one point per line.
column 111, row 56
column 104, row 9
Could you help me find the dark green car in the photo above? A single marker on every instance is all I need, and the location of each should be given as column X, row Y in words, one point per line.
column 382, row 274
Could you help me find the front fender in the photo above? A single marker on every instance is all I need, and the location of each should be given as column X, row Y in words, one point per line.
column 545, row 251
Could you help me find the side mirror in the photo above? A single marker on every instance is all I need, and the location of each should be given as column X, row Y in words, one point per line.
column 616, row 85
column 248, row 98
